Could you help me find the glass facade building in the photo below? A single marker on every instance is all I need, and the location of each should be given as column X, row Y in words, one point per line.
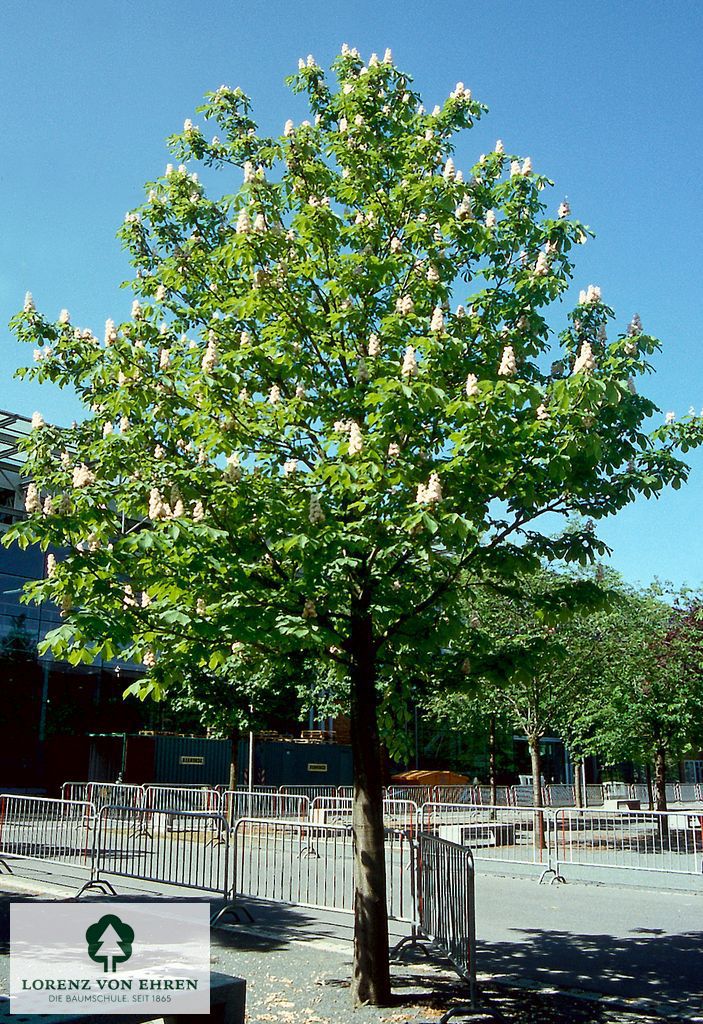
column 48, row 708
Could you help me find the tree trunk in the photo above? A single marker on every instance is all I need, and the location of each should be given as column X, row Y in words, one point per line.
column 492, row 759
column 536, row 761
column 650, row 791
column 660, row 791
column 660, row 778
column 578, row 783
column 371, row 973
column 234, row 739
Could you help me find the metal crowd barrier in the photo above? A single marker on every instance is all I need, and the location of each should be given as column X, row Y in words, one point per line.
column 483, row 795
column 115, row 794
column 312, row 865
column 75, row 790
column 177, row 785
column 401, row 815
column 127, row 846
column 517, row 835
column 594, row 795
column 665, row 841
column 237, row 804
column 45, row 829
column 447, row 907
column 559, row 796
column 172, row 799
column 418, row 794
column 309, row 791
column 553, row 795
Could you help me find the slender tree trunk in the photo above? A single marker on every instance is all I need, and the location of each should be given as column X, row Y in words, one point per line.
column 578, row 783
column 234, row 739
column 660, row 790
column 660, row 778
column 536, row 761
column 371, row 972
column 650, row 791
column 492, row 759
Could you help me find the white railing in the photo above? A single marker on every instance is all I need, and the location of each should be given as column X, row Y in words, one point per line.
column 173, row 799
column 309, row 791
column 517, row 835
column 175, row 839
column 127, row 845
column 663, row 841
column 42, row 828
column 237, row 804
column 262, row 800
column 312, row 865
column 334, row 810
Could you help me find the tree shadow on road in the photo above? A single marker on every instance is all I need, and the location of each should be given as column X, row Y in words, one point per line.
column 646, row 965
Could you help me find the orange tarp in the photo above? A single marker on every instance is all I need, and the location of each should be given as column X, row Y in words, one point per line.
column 429, row 778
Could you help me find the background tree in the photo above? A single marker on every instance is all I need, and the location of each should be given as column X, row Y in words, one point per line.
column 293, row 444
column 515, row 640
column 643, row 703
column 474, row 709
column 254, row 692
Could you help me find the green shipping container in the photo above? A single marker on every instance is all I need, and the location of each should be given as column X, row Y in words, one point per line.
column 281, row 763
column 192, row 759
column 172, row 760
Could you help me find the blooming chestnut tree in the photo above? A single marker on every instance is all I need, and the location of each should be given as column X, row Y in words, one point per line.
column 337, row 393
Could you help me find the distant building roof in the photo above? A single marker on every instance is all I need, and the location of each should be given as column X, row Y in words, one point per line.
column 418, row 777
column 13, row 428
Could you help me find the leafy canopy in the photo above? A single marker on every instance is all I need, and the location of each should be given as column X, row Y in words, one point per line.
column 293, row 422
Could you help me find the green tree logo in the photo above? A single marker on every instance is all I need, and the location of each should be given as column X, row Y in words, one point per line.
column 109, row 942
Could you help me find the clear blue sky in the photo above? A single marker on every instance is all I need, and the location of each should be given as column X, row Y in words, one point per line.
column 605, row 97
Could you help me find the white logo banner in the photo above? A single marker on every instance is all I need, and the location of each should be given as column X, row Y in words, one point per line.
column 110, row 958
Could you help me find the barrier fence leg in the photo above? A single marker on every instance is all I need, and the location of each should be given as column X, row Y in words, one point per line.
column 552, row 867
column 100, row 885
column 95, row 883
column 415, row 940
column 229, row 891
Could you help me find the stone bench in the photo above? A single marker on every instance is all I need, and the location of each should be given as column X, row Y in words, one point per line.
column 227, row 1006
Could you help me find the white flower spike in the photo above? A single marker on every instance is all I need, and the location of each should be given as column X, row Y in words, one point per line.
column 585, row 361
column 32, row 502
column 508, row 364
column 315, row 513
column 374, row 346
column 472, row 390
column 356, row 440
column 409, row 367
column 437, row 321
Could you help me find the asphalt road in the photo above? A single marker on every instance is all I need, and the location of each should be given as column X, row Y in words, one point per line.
column 625, row 943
